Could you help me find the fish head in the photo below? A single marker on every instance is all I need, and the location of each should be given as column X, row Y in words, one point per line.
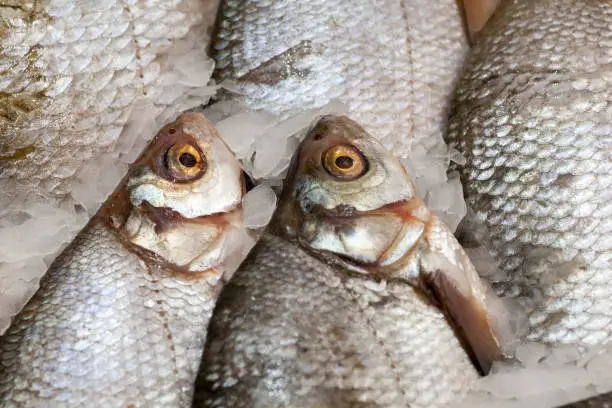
column 348, row 195
column 188, row 169
column 351, row 201
column 181, row 199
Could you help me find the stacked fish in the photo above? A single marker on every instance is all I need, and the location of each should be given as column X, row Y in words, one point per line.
column 179, row 292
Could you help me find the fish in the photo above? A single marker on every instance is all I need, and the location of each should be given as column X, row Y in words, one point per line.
column 356, row 295
column 73, row 75
column 393, row 63
column 120, row 317
column 533, row 119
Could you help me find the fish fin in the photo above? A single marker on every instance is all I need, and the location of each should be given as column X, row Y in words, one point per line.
column 476, row 14
column 467, row 314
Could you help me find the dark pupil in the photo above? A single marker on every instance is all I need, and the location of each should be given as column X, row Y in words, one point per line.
column 188, row 160
column 344, row 162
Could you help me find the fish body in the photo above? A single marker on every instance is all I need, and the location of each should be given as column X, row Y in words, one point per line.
column 394, row 64
column 533, row 118
column 357, row 296
column 74, row 74
column 292, row 331
column 120, row 317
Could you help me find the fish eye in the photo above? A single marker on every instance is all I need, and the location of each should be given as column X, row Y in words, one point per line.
column 185, row 162
column 345, row 162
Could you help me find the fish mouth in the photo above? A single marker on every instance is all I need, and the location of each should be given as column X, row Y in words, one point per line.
column 339, row 211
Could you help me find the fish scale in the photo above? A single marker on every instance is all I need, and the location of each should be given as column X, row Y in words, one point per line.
column 532, row 115
column 74, row 74
column 79, row 67
column 383, row 345
column 394, row 63
column 132, row 345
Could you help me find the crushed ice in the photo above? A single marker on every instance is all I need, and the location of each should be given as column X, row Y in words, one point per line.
column 544, row 377
column 258, row 206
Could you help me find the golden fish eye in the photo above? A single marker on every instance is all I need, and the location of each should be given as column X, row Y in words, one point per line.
column 185, row 162
column 345, row 162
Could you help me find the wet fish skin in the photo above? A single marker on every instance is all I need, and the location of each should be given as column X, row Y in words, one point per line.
column 120, row 319
column 532, row 116
column 394, row 63
column 334, row 305
column 291, row 331
column 73, row 75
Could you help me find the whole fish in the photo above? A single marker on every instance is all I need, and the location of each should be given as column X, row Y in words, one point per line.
column 533, row 117
column 394, row 63
column 120, row 317
column 71, row 73
column 347, row 300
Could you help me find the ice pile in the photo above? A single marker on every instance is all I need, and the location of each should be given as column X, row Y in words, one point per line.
column 268, row 157
column 262, row 141
column 544, row 377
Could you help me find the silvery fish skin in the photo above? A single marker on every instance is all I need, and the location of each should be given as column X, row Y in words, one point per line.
column 72, row 72
column 533, row 117
column 72, row 75
column 120, row 317
column 341, row 303
column 393, row 62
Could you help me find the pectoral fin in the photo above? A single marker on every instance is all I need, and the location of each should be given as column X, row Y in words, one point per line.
column 477, row 13
column 466, row 313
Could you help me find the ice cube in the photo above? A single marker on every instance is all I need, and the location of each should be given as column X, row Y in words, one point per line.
column 259, row 205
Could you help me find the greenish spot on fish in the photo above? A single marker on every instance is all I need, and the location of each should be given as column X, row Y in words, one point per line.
column 19, row 154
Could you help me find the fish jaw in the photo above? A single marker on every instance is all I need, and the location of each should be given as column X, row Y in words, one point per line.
column 404, row 241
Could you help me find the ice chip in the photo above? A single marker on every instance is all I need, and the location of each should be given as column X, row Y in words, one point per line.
column 533, row 381
column 140, row 128
column 269, row 153
column 18, row 283
column 485, row 264
column 531, row 353
column 259, row 205
column 446, row 201
column 241, row 130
